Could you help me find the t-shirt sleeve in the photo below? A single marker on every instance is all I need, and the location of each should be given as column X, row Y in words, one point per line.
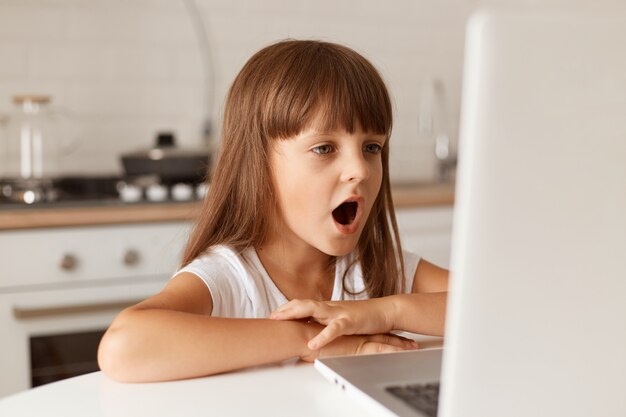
column 217, row 277
column 208, row 281
column 411, row 260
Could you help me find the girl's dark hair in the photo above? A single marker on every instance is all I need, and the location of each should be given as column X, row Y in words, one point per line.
column 282, row 90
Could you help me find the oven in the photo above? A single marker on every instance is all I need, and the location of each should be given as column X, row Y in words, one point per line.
column 61, row 288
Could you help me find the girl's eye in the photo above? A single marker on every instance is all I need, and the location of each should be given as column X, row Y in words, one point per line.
column 373, row 148
column 322, row 149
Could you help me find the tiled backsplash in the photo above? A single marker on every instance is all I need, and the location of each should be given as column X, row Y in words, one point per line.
column 127, row 68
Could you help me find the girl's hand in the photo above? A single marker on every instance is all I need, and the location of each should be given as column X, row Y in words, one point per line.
column 361, row 345
column 373, row 316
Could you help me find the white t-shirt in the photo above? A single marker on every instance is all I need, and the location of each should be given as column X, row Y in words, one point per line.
column 241, row 287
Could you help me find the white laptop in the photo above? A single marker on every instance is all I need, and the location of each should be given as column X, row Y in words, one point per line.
column 537, row 312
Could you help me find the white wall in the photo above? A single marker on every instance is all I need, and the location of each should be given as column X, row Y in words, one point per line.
column 126, row 68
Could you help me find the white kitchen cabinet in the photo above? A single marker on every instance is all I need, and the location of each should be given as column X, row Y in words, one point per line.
column 90, row 253
column 61, row 287
column 427, row 231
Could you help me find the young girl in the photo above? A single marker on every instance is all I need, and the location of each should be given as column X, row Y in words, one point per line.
column 299, row 209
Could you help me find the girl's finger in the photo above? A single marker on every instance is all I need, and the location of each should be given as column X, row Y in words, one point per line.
column 398, row 341
column 297, row 309
column 287, row 315
column 285, row 307
column 333, row 330
column 376, row 347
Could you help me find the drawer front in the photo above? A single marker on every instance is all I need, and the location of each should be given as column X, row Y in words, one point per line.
column 82, row 254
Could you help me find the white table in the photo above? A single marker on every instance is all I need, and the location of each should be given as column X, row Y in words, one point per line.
column 292, row 388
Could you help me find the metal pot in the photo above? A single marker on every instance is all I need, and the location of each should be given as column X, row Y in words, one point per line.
column 170, row 163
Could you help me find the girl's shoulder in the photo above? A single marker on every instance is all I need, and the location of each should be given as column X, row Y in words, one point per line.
column 237, row 282
column 350, row 282
column 411, row 259
column 217, row 252
column 218, row 258
column 223, row 269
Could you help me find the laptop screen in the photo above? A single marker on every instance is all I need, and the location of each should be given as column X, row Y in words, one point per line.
column 536, row 316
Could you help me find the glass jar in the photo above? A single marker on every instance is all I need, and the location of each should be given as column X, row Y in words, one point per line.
column 34, row 136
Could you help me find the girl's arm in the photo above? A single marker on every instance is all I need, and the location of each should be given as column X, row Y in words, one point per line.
column 423, row 311
column 172, row 336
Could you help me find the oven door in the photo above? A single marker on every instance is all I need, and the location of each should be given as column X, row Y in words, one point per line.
column 52, row 334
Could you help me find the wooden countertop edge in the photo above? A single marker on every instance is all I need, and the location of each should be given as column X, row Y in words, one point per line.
column 404, row 197
column 410, row 197
column 93, row 216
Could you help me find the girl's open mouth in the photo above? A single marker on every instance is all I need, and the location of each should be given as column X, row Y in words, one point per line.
column 346, row 212
column 347, row 216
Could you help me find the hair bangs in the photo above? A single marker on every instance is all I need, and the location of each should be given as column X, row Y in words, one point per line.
column 326, row 87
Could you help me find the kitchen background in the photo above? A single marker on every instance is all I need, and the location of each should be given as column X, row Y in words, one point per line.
column 118, row 72
column 124, row 69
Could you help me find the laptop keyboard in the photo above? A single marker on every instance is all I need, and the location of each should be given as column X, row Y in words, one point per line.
column 422, row 397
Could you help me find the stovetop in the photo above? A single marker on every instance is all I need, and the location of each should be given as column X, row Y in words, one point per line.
column 83, row 191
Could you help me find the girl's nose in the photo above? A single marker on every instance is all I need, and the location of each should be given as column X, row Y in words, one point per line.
column 355, row 169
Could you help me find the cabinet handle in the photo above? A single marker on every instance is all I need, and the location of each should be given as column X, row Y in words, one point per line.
column 71, row 309
column 131, row 257
column 69, row 262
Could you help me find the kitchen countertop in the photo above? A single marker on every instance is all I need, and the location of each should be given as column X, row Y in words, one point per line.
column 404, row 195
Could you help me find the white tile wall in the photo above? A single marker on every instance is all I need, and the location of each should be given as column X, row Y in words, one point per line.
column 127, row 68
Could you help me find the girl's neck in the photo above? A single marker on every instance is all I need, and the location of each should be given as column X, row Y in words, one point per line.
column 299, row 271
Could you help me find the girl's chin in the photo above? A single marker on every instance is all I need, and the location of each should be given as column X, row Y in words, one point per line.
column 338, row 253
column 341, row 249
